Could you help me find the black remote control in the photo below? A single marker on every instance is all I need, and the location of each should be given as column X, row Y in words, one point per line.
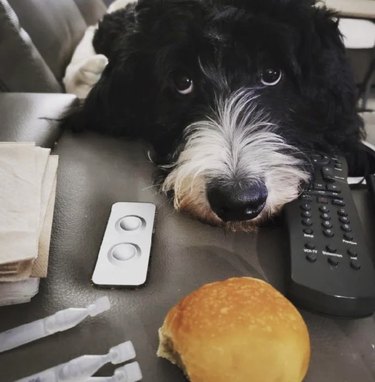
column 331, row 270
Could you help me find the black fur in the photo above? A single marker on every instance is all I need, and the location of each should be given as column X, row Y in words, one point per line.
column 148, row 43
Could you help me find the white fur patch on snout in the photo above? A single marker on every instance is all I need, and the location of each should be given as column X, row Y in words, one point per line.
column 238, row 142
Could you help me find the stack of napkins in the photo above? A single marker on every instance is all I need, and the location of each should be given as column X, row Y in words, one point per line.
column 27, row 199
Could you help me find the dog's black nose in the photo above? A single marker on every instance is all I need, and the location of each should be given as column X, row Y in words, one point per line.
column 237, row 201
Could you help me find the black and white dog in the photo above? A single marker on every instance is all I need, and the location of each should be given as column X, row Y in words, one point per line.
column 233, row 96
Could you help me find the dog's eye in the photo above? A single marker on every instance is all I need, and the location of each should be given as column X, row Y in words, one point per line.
column 184, row 84
column 270, row 76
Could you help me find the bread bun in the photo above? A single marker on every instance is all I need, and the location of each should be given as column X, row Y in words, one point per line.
column 238, row 330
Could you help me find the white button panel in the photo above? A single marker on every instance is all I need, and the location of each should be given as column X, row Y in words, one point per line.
column 125, row 250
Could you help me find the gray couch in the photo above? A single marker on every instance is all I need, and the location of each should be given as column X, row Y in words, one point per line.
column 97, row 171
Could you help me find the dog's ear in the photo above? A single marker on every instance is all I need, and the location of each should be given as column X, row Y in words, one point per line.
column 123, row 100
column 113, row 28
column 327, row 80
column 118, row 103
column 126, row 84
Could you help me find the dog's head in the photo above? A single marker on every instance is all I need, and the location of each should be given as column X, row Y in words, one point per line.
column 233, row 95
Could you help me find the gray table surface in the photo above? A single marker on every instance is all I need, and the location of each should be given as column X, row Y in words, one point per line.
column 94, row 173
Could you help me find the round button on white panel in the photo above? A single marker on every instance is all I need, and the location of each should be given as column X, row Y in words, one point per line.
column 124, row 251
column 130, row 223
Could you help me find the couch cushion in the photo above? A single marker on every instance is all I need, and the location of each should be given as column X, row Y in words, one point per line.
column 27, row 117
column 91, row 10
column 55, row 28
column 22, row 68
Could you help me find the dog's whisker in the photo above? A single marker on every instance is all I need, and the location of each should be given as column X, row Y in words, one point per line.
column 152, row 186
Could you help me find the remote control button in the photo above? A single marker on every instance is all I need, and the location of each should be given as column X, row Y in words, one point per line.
column 325, row 216
column 130, row 223
column 327, row 224
column 331, row 249
column 352, row 253
column 338, row 202
column 342, row 212
column 306, row 214
column 348, row 236
column 308, row 231
column 330, row 194
column 305, row 198
column 344, row 219
column 336, row 195
column 309, row 245
column 324, row 209
column 124, row 251
column 322, row 200
column 333, row 187
column 312, row 257
column 328, row 233
column 338, row 166
column 355, row 264
column 333, row 261
column 321, row 193
column 346, row 228
column 318, row 186
column 328, row 174
column 320, row 160
column 306, row 206
column 307, row 222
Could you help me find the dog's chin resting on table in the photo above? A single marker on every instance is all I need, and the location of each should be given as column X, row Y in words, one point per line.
column 233, row 96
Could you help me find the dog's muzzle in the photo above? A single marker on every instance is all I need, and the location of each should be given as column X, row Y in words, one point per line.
column 235, row 169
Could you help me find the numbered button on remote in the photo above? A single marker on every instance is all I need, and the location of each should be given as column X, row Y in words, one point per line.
column 308, row 231
column 324, row 209
column 312, row 257
column 325, row 216
column 305, row 198
column 328, row 174
column 333, row 187
column 320, row 160
column 307, row 222
column 355, row 264
column 318, row 186
column 344, row 219
column 348, row 236
column 346, row 227
column 328, row 233
column 309, row 245
column 338, row 202
column 331, row 249
column 327, row 224
column 306, row 206
column 333, row 261
column 342, row 212
column 352, row 253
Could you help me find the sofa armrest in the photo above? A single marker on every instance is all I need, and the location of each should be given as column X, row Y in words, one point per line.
column 32, row 117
